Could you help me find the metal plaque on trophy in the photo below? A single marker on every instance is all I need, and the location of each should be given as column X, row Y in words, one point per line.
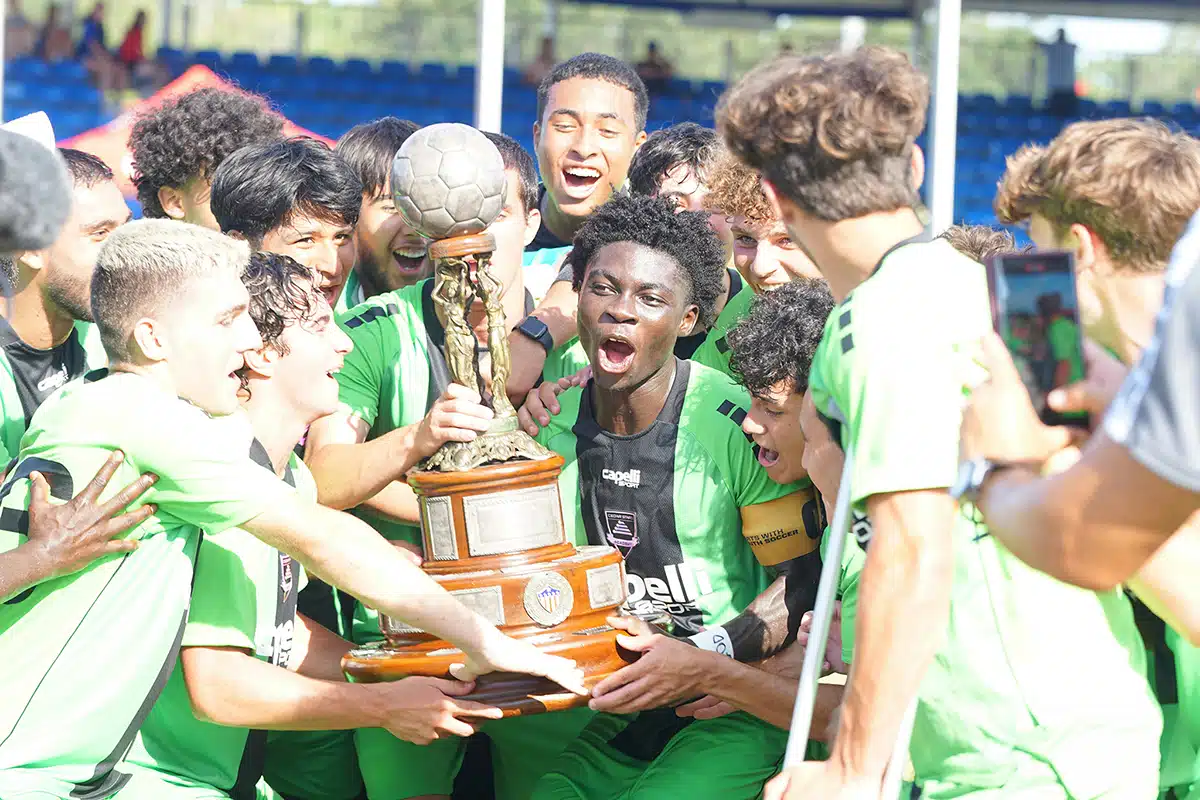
column 491, row 517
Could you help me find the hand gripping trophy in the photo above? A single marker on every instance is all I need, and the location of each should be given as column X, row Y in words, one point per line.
column 491, row 518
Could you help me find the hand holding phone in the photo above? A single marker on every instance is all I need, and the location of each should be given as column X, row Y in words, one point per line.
column 1035, row 309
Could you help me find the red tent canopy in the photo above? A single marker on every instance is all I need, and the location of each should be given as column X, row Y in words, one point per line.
column 110, row 142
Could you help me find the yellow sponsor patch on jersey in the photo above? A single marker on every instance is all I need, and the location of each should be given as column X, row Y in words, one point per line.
column 784, row 528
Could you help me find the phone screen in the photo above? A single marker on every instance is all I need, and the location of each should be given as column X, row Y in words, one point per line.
column 1035, row 309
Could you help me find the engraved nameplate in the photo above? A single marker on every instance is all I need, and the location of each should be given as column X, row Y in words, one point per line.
column 438, row 518
column 394, row 627
column 605, row 586
column 513, row 521
column 486, row 601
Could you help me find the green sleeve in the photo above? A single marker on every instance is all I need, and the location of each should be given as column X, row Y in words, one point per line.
column 360, row 381
column 204, row 475
column 564, row 361
column 224, row 610
column 902, row 400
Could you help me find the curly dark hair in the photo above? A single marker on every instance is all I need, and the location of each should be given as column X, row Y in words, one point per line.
column 190, row 135
column 776, row 341
column 684, row 236
column 281, row 294
column 833, row 134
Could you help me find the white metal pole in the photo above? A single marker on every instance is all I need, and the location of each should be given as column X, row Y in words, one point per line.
column 3, row 34
column 854, row 33
column 943, row 129
column 489, row 69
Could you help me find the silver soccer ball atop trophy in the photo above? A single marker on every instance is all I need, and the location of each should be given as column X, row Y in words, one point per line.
column 448, row 180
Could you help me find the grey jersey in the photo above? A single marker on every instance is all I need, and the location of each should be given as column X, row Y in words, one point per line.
column 1156, row 415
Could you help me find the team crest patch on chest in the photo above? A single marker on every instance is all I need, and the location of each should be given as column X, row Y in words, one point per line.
column 620, row 528
column 548, row 599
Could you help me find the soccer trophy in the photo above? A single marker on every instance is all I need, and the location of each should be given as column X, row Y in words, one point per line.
column 491, row 517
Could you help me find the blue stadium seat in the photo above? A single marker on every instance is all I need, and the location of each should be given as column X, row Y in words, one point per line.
column 1114, row 108
column 320, row 65
column 1153, row 108
column 1018, row 103
column 29, row 69
column 67, row 71
column 357, row 67
column 394, row 70
column 1184, row 111
column 433, row 71
column 171, row 55
column 209, row 58
column 243, row 61
column 283, row 63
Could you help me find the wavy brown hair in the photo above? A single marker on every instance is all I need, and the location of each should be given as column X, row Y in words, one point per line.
column 736, row 189
column 834, row 134
column 1133, row 183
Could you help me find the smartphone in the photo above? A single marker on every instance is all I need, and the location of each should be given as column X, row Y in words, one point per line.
column 1035, row 309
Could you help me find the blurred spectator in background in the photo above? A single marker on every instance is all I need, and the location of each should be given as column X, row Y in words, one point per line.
column 93, row 33
column 106, row 72
column 19, row 37
column 1060, row 75
column 654, row 70
column 143, row 74
column 54, row 44
column 536, row 72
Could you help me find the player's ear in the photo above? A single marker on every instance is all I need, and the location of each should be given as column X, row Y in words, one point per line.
column 171, row 200
column 639, row 140
column 533, row 221
column 918, row 167
column 149, row 339
column 34, row 259
column 262, row 360
column 690, row 317
column 1087, row 247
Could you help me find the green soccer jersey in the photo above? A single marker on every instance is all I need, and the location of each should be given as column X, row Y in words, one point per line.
column 685, row 501
column 352, row 294
column 83, row 657
column 28, row 376
column 243, row 596
column 394, row 374
column 1039, row 684
column 712, row 350
column 1063, row 335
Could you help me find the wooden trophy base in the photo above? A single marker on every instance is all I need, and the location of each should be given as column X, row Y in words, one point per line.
column 494, row 538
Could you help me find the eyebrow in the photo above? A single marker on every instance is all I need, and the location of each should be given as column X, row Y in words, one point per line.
column 641, row 286
column 232, row 313
column 578, row 115
column 96, row 227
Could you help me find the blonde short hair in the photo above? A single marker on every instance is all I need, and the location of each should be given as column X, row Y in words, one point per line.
column 145, row 264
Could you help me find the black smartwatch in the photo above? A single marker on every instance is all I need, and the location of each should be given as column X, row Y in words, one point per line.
column 535, row 329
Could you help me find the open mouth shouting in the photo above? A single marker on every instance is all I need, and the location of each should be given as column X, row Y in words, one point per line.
column 409, row 256
column 768, row 458
column 580, row 181
column 615, row 355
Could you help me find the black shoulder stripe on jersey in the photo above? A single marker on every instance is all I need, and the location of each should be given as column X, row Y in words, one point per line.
column 722, row 345
column 735, row 412
column 844, row 319
column 371, row 314
column 847, row 343
column 254, row 762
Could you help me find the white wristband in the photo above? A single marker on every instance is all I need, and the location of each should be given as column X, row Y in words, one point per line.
column 714, row 639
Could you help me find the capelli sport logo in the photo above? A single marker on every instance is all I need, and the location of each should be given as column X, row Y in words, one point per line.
column 630, row 479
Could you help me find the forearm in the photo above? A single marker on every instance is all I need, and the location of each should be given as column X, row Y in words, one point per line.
column 229, row 687
column 764, row 628
column 345, row 552
column 21, row 568
column 317, row 651
column 397, row 501
column 559, row 309
column 903, row 606
column 1167, row 583
column 770, row 696
column 348, row 475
